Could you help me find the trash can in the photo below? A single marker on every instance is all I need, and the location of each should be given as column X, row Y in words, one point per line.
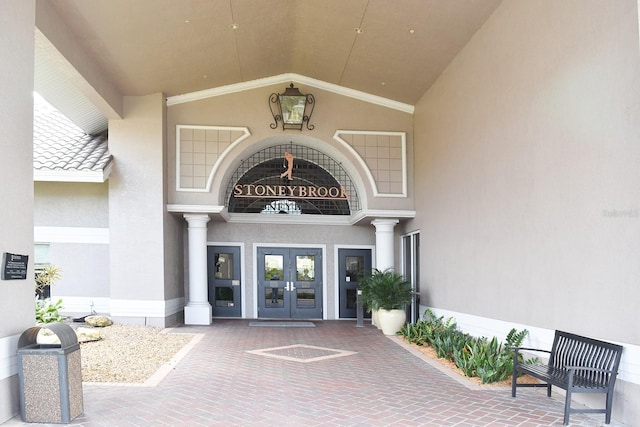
column 50, row 376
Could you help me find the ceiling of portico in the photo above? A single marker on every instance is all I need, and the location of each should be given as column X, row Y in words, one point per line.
column 178, row 47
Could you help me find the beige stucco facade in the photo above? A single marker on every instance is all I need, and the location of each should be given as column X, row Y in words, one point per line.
column 522, row 171
column 530, row 168
column 16, row 217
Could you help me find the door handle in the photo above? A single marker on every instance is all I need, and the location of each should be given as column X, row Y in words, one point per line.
column 289, row 287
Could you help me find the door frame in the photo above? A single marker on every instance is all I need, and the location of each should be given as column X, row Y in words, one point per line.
column 323, row 249
column 336, row 273
column 243, row 287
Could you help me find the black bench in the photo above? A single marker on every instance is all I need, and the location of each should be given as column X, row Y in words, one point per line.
column 576, row 364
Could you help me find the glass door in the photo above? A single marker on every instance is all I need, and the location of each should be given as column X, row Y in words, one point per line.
column 223, row 265
column 411, row 272
column 352, row 264
column 290, row 283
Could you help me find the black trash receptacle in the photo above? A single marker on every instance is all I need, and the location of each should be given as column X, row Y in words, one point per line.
column 50, row 376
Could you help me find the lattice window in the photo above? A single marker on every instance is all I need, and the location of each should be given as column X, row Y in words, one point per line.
column 198, row 150
column 384, row 154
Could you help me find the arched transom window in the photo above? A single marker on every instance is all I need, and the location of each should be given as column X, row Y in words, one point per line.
column 291, row 179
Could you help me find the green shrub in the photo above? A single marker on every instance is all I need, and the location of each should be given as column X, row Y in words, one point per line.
column 48, row 312
column 424, row 331
column 489, row 360
column 449, row 340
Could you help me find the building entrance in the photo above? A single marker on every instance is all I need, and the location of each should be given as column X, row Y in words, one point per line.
column 289, row 283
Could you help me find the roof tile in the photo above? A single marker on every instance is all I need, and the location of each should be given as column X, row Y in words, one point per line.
column 58, row 144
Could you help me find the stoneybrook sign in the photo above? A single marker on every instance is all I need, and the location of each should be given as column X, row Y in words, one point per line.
column 258, row 191
column 290, row 191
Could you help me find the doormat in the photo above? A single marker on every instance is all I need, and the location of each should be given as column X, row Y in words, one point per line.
column 283, row 324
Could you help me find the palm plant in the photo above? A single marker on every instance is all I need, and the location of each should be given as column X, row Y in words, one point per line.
column 386, row 290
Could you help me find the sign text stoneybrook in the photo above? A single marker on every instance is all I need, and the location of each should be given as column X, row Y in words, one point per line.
column 289, row 191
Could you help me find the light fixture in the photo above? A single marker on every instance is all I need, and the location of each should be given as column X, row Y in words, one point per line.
column 292, row 108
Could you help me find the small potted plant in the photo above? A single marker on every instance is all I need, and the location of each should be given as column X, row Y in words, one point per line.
column 387, row 292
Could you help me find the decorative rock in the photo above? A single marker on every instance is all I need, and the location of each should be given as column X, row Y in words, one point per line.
column 99, row 321
column 88, row 334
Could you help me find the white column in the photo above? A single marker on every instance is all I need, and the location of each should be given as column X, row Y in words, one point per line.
column 198, row 310
column 384, row 242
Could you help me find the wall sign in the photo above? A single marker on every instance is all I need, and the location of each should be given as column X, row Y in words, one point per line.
column 290, row 192
column 14, row 267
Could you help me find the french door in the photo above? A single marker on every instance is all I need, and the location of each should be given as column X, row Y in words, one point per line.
column 289, row 283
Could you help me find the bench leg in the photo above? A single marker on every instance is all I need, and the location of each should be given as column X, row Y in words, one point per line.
column 607, row 415
column 567, row 408
column 514, row 375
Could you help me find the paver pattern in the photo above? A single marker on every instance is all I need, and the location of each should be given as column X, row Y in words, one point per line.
column 222, row 382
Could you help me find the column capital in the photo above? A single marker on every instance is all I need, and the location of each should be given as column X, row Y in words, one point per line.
column 385, row 224
column 384, row 242
column 196, row 219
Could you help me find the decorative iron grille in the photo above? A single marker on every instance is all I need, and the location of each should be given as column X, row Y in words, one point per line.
column 311, row 168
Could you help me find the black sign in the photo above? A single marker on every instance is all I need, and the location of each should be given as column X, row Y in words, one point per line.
column 14, row 267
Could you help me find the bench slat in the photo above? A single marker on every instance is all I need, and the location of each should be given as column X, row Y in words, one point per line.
column 560, row 377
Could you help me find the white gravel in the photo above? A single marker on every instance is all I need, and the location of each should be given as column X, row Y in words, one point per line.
column 129, row 354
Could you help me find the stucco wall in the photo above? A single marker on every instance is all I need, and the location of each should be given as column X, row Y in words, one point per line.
column 528, row 144
column 64, row 204
column 531, row 167
column 84, row 270
column 16, row 170
column 250, row 109
column 137, row 202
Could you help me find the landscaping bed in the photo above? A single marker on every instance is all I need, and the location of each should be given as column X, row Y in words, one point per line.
column 129, row 354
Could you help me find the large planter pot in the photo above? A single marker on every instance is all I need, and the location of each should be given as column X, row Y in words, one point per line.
column 391, row 321
column 375, row 319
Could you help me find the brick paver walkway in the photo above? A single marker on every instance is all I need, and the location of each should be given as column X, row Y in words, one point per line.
column 334, row 374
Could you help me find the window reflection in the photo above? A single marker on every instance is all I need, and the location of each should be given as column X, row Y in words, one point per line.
column 273, row 267
column 224, row 296
column 274, row 297
column 355, row 267
column 224, row 266
column 305, row 268
column 305, row 298
column 352, row 296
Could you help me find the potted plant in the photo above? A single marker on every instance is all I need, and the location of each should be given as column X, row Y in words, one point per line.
column 387, row 292
column 45, row 278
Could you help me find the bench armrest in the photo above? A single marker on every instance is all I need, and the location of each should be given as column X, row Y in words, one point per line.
column 516, row 362
column 516, row 349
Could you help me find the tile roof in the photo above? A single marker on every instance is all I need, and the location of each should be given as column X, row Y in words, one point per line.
column 60, row 146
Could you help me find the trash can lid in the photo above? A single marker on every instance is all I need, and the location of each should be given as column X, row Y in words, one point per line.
column 65, row 334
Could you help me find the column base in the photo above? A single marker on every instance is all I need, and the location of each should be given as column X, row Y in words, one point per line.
column 199, row 314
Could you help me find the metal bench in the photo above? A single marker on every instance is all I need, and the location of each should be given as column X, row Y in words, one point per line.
column 576, row 364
